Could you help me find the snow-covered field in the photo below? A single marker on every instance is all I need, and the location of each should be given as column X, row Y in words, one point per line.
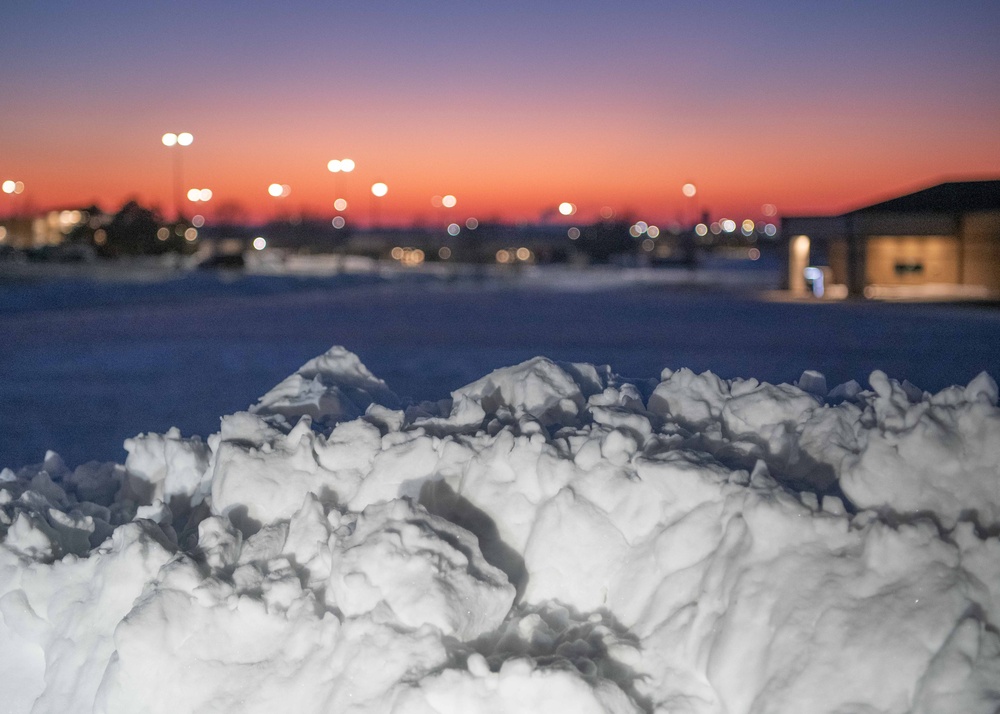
column 556, row 536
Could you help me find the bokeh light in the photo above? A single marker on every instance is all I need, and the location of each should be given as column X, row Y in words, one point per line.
column 573, row 233
column 275, row 190
column 340, row 205
column 653, row 232
column 701, row 229
column 689, row 190
column 448, row 201
column 339, row 222
column 566, row 208
column 191, row 235
column 444, row 252
column 454, row 229
column 169, row 139
column 185, row 139
column 198, row 221
column 259, row 243
column 472, row 223
column 379, row 189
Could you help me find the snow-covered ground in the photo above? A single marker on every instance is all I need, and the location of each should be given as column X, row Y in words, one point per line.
column 85, row 365
column 548, row 538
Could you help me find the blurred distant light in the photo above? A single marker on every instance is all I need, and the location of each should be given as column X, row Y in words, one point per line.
column 454, row 229
column 333, row 166
column 185, row 138
column 18, row 186
column 339, row 222
column 648, row 244
column 770, row 230
column 728, row 225
column 503, row 256
column 169, row 139
column 716, row 228
column 347, row 165
column 769, row 209
column 449, row 201
column 653, row 232
column 9, row 186
column 633, row 230
column 340, row 205
column 748, row 227
column 199, row 194
column 472, row 224
column 566, row 208
column 101, row 236
column 285, row 190
column 379, row 189
column 396, row 253
column 573, row 233
column 275, row 189
column 191, row 235
column 754, row 254
column 259, row 243
column 3, row 233
column 198, row 221
column 701, row 229
column 523, row 253
column 444, row 252
column 689, row 190
column 436, row 201
column 607, row 212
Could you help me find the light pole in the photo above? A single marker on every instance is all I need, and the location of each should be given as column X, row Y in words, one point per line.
column 177, row 140
column 379, row 190
column 690, row 191
column 279, row 191
column 12, row 188
column 337, row 167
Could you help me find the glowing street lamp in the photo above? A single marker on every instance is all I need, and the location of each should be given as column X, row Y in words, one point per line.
column 177, row 140
column 379, row 190
column 12, row 188
column 690, row 191
column 337, row 167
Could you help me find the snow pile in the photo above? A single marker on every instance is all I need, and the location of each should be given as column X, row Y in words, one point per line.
column 551, row 538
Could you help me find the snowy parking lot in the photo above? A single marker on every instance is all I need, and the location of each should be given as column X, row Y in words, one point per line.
column 87, row 364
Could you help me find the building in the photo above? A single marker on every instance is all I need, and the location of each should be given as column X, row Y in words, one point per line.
column 943, row 241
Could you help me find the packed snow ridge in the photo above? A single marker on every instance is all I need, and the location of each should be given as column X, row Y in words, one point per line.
column 551, row 538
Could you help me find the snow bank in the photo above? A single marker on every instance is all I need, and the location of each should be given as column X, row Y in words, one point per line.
column 551, row 538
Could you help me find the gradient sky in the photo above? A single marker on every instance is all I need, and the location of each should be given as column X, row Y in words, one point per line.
column 512, row 107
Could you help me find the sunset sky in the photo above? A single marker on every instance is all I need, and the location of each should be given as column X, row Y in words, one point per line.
column 512, row 107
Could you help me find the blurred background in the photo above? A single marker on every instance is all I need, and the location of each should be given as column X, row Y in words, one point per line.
column 197, row 198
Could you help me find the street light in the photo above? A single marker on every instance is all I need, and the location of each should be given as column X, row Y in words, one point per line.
column 177, row 140
column 690, row 191
column 379, row 190
column 12, row 188
column 337, row 167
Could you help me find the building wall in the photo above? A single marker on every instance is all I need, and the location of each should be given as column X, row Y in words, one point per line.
column 837, row 256
column 911, row 260
column 981, row 250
